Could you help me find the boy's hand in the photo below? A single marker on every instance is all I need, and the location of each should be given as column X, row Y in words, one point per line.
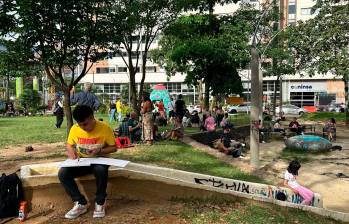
column 95, row 151
column 72, row 154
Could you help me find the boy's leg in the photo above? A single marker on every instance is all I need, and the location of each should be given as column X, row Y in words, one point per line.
column 66, row 176
column 101, row 174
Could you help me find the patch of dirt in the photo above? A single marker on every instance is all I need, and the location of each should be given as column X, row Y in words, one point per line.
column 13, row 157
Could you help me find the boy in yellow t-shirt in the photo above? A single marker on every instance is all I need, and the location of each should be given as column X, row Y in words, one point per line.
column 88, row 138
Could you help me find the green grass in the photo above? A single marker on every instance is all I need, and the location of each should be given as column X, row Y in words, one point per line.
column 324, row 116
column 300, row 155
column 222, row 210
column 240, row 119
column 180, row 156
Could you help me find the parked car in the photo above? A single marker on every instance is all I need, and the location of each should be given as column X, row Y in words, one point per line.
column 291, row 110
column 193, row 108
column 245, row 107
column 335, row 107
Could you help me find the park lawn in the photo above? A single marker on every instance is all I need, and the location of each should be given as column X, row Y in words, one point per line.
column 324, row 116
column 172, row 154
column 221, row 210
column 177, row 155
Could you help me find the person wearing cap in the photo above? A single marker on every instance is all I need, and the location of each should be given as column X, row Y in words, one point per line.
column 86, row 97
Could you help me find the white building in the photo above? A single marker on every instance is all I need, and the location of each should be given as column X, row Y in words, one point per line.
column 111, row 75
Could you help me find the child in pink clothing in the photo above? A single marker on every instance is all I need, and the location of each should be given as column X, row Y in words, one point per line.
column 291, row 182
column 210, row 123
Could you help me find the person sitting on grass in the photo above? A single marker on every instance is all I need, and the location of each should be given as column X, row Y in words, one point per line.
column 88, row 138
column 229, row 147
column 134, row 128
column 290, row 181
column 124, row 128
column 225, row 121
column 177, row 132
column 210, row 123
column 295, row 126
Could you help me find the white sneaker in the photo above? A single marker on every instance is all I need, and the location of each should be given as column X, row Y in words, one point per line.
column 99, row 211
column 76, row 211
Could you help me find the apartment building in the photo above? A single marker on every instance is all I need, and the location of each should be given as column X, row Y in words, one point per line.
column 110, row 76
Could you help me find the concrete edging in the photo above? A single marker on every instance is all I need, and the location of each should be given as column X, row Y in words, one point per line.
column 46, row 174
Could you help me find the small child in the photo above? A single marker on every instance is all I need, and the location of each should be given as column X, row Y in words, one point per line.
column 291, row 182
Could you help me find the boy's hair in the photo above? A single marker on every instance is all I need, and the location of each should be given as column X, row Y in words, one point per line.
column 294, row 167
column 82, row 112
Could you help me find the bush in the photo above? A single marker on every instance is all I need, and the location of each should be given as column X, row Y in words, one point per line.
column 103, row 109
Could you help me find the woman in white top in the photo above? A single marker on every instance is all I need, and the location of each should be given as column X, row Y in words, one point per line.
column 291, row 182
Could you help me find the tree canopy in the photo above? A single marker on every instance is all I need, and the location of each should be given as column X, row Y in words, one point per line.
column 207, row 48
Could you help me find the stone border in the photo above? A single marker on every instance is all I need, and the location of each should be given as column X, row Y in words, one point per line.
column 176, row 178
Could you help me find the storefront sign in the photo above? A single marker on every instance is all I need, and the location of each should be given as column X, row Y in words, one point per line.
column 308, row 87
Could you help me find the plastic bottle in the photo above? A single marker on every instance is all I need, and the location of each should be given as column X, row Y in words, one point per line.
column 22, row 211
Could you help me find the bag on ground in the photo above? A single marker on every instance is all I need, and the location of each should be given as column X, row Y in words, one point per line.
column 11, row 194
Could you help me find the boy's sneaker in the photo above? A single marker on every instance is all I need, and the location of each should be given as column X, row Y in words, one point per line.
column 76, row 211
column 99, row 211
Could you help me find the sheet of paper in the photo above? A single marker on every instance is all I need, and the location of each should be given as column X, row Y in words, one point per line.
column 89, row 161
column 75, row 162
column 109, row 161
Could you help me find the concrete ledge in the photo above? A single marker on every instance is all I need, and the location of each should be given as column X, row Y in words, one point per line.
column 137, row 180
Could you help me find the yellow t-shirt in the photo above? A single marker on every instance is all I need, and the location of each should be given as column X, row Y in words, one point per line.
column 102, row 135
column 118, row 106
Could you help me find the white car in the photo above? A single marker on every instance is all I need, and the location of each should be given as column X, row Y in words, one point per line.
column 193, row 108
column 291, row 110
column 245, row 107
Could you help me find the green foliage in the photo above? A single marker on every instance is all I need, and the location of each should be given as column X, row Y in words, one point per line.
column 30, row 98
column 321, row 44
column 208, row 48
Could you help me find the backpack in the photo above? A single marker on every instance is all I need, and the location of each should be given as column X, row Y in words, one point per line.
column 11, row 194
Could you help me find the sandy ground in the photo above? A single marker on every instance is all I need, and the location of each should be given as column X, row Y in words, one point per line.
column 320, row 174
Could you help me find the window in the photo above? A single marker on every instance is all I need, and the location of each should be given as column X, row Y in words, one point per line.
column 105, row 70
column 112, row 88
column 306, row 11
column 292, row 9
column 174, row 87
column 150, row 69
column 122, row 69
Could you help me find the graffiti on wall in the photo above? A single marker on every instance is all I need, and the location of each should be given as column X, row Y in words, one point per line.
column 255, row 189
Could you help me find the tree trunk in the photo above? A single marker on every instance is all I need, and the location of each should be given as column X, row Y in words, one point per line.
column 67, row 110
column 8, row 88
column 207, row 97
column 141, row 92
column 255, row 109
column 133, row 85
column 201, row 93
column 345, row 79
column 280, row 106
column 274, row 99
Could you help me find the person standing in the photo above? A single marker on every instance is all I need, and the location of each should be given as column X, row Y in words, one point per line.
column 147, row 120
column 85, row 97
column 180, row 107
column 88, row 138
column 112, row 109
column 58, row 110
column 119, row 109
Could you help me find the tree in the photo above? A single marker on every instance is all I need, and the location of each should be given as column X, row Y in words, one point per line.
column 320, row 45
column 63, row 35
column 14, row 62
column 207, row 48
column 142, row 22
